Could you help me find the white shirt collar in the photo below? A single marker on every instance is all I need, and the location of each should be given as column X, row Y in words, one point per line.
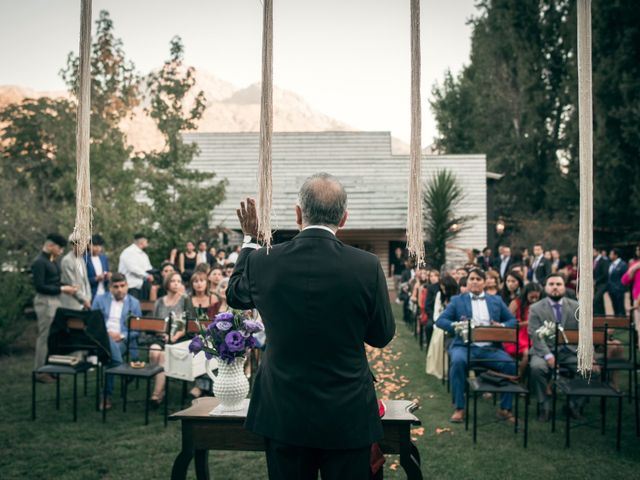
column 323, row 227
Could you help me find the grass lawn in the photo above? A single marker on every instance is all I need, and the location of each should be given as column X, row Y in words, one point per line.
column 53, row 447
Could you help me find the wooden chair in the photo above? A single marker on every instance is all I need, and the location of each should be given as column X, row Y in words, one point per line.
column 477, row 386
column 75, row 327
column 148, row 372
column 580, row 387
column 147, row 307
column 625, row 325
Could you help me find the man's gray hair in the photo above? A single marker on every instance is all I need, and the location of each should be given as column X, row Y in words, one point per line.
column 323, row 200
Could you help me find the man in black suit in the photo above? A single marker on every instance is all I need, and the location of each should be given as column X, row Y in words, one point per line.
column 503, row 263
column 600, row 280
column 541, row 267
column 320, row 300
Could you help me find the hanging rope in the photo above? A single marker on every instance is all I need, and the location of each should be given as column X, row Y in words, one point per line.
column 84, row 210
column 415, row 242
column 266, row 128
column 585, row 296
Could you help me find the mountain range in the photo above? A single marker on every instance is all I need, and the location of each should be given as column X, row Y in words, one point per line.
column 228, row 109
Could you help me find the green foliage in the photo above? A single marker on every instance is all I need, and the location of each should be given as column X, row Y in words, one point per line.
column 182, row 197
column 15, row 294
column 442, row 195
column 516, row 101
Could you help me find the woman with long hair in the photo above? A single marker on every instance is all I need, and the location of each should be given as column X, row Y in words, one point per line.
column 492, row 283
column 436, row 364
column 173, row 303
column 531, row 293
column 201, row 298
column 512, row 287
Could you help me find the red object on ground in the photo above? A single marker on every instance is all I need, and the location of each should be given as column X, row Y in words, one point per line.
column 377, row 457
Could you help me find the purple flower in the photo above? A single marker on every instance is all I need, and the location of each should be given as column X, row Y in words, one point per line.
column 196, row 345
column 235, row 341
column 251, row 342
column 224, row 317
column 226, row 355
column 223, row 325
column 208, row 355
column 253, row 326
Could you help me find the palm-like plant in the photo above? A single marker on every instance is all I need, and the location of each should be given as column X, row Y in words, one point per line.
column 442, row 196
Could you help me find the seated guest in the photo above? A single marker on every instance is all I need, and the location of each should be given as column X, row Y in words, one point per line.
column 447, row 289
column 481, row 309
column 556, row 308
column 492, row 283
column 520, row 309
column 116, row 306
column 221, row 293
column 203, row 268
column 157, row 289
column 174, row 302
column 512, row 287
column 201, row 297
column 228, row 269
column 215, row 276
column 97, row 266
column 463, row 285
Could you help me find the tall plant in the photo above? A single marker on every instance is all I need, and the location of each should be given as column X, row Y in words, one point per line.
column 442, row 196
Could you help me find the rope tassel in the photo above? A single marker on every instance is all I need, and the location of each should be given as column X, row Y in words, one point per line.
column 585, row 118
column 266, row 128
column 415, row 235
column 84, row 210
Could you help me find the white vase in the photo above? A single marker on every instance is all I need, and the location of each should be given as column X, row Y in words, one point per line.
column 230, row 386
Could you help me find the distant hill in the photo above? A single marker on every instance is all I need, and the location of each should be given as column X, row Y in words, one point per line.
column 229, row 109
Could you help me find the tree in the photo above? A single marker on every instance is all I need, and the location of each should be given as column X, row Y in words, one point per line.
column 115, row 173
column 182, row 197
column 442, row 196
column 516, row 101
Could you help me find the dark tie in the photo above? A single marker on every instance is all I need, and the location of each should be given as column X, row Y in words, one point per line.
column 477, row 297
column 558, row 311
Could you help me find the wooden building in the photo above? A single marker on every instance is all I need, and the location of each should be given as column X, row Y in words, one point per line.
column 376, row 182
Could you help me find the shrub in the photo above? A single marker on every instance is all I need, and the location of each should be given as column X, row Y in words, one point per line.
column 15, row 294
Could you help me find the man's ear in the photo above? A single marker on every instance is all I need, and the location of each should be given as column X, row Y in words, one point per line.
column 299, row 216
column 343, row 220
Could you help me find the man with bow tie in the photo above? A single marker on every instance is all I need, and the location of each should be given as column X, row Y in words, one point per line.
column 482, row 310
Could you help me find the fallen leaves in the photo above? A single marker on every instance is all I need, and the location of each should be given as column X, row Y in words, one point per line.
column 440, row 431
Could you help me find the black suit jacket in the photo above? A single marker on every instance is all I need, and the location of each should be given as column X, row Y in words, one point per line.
column 320, row 301
column 543, row 270
column 601, row 272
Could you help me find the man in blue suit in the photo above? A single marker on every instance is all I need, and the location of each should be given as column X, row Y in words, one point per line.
column 485, row 310
column 116, row 305
column 616, row 289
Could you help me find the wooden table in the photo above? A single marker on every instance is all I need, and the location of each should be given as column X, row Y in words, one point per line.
column 202, row 432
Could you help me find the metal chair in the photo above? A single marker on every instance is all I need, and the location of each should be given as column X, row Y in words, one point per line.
column 624, row 324
column 477, row 386
column 69, row 333
column 148, row 372
column 580, row 387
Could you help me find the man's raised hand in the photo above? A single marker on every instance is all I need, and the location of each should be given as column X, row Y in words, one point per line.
column 248, row 217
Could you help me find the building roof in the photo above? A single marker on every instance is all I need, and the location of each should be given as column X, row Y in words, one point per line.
column 376, row 181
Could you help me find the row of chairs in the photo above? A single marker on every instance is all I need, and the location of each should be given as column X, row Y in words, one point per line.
column 75, row 326
column 604, row 329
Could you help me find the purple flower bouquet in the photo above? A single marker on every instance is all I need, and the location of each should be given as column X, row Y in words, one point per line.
column 227, row 337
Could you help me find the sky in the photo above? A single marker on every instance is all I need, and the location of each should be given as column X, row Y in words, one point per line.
column 349, row 59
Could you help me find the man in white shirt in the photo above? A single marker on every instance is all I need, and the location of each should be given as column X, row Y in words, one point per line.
column 116, row 306
column 135, row 265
